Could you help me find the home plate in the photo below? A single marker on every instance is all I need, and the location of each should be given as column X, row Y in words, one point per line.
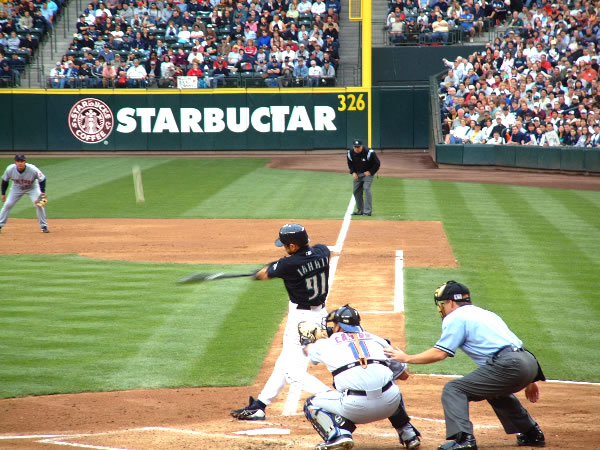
column 264, row 431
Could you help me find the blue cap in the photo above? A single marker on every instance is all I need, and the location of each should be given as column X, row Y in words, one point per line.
column 20, row 157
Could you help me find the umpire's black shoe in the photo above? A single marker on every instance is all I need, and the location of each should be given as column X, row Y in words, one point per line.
column 462, row 441
column 533, row 438
column 357, row 213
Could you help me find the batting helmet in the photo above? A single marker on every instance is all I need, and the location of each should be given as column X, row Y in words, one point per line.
column 292, row 233
column 346, row 317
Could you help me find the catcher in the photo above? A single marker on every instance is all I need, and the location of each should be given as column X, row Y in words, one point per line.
column 27, row 179
column 505, row 367
column 363, row 379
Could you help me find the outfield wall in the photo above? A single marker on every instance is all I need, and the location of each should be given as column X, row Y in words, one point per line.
column 100, row 120
column 261, row 119
column 529, row 157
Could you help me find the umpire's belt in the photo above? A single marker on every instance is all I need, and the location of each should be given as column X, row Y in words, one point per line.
column 307, row 305
column 364, row 393
column 507, row 348
column 357, row 363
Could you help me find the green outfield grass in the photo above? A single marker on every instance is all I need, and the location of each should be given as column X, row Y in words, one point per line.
column 72, row 324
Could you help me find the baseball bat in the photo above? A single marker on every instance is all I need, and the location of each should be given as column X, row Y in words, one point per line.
column 199, row 277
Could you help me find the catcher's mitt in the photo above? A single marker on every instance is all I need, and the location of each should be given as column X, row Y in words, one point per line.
column 309, row 332
column 41, row 200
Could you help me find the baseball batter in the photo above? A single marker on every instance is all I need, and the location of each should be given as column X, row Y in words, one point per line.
column 305, row 274
column 505, row 367
column 365, row 389
column 26, row 179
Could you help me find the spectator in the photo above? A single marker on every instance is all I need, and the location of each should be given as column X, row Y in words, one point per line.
column 300, row 72
column 219, row 73
column 327, row 74
column 273, row 73
column 167, row 71
column 550, row 138
column 517, row 137
column 137, row 75
column 440, row 30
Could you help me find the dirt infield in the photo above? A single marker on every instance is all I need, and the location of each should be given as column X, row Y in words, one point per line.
column 199, row 418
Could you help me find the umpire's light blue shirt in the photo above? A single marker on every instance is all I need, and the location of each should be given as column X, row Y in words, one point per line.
column 478, row 332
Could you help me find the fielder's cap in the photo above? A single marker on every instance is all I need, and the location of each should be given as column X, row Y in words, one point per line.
column 357, row 143
column 452, row 290
column 20, row 157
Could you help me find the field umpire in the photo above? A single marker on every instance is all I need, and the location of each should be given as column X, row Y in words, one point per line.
column 363, row 164
column 505, row 367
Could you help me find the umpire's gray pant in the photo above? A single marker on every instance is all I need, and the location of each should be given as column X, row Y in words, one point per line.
column 363, row 184
column 508, row 372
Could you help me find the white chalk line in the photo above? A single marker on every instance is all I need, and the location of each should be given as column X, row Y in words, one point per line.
column 444, row 375
column 60, row 439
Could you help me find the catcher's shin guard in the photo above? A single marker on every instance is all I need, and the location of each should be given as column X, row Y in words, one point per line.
column 328, row 425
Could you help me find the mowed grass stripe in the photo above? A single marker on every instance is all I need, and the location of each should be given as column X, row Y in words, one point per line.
column 199, row 309
column 547, row 277
column 111, row 335
column 272, row 193
column 66, row 177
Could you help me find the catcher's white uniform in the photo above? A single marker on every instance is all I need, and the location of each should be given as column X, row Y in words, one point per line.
column 363, row 393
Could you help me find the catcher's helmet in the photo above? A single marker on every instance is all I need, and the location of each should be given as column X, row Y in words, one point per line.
column 346, row 317
column 292, row 233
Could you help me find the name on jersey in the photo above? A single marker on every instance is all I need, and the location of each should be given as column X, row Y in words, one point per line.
column 22, row 181
column 311, row 266
column 344, row 337
column 265, row 119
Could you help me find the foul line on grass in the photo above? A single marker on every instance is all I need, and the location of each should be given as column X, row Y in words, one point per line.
column 443, row 375
column 294, row 392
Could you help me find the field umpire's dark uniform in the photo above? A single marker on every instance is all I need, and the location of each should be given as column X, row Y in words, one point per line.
column 363, row 164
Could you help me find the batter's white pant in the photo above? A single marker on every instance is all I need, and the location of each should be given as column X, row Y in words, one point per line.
column 13, row 197
column 292, row 363
column 375, row 406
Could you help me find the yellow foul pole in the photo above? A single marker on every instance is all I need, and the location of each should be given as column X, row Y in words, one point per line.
column 367, row 34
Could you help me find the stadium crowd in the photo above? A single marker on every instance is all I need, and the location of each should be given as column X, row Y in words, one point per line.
column 417, row 22
column 152, row 43
column 23, row 25
column 536, row 84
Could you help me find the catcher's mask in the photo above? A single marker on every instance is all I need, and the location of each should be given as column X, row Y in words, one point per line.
column 451, row 290
column 292, row 233
column 347, row 318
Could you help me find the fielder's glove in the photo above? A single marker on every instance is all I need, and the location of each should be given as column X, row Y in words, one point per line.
column 41, row 200
column 309, row 332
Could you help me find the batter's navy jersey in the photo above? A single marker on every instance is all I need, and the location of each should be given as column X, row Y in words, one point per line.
column 305, row 275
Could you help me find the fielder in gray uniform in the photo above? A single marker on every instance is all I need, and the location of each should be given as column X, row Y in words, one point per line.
column 505, row 367
column 27, row 179
column 364, row 382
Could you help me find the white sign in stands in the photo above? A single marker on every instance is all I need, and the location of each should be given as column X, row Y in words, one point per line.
column 187, row 82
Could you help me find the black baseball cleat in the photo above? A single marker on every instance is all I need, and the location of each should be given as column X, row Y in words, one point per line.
column 462, row 441
column 254, row 411
column 357, row 213
column 45, row 230
column 533, row 438
column 366, row 214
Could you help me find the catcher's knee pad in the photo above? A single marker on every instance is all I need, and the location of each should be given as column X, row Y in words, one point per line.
column 328, row 425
